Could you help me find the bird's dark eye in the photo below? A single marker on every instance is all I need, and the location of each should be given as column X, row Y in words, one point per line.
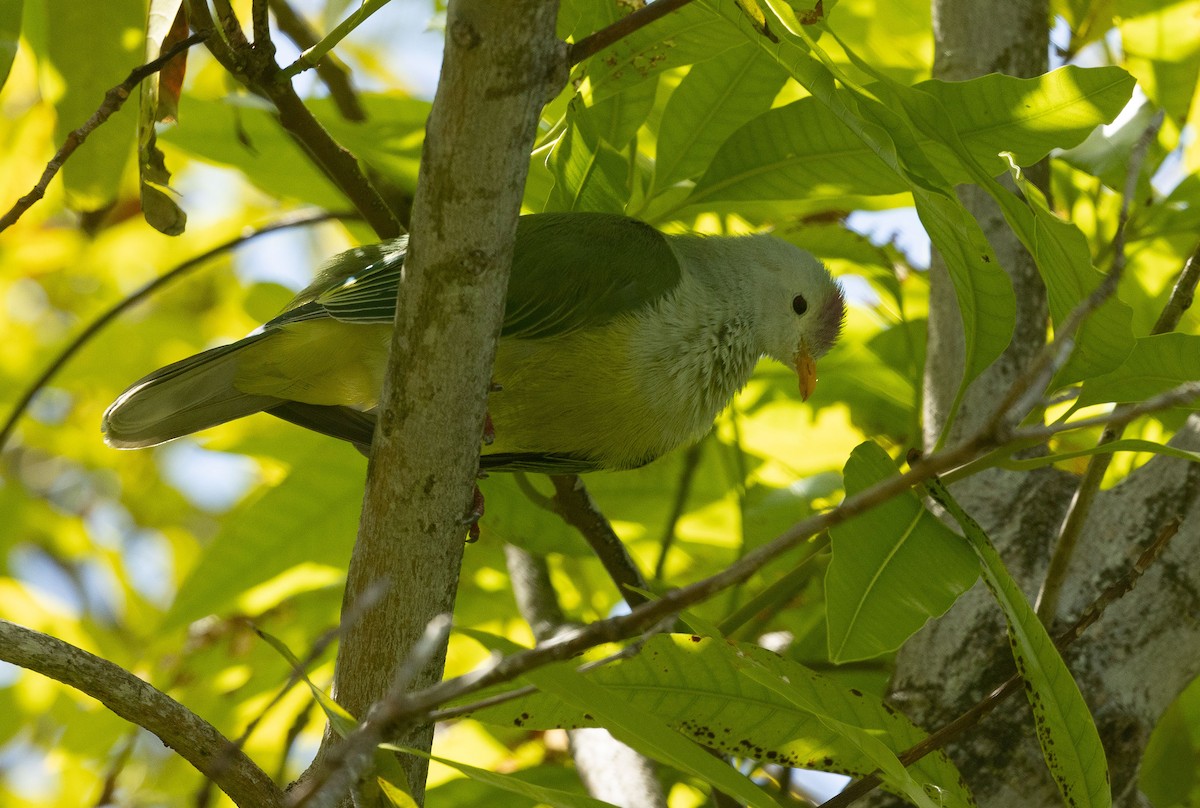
column 799, row 304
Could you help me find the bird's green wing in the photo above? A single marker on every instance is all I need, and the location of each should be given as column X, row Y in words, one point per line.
column 570, row 271
column 581, row 270
column 358, row 286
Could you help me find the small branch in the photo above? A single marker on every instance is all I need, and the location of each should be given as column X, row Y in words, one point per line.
column 261, row 24
column 93, row 328
column 332, row 70
column 970, row 718
column 114, row 99
column 594, row 43
column 572, row 502
column 347, row 761
column 314, row 54
column 1089, row 484
column 339, row 165
column 140, row 703
column 257, row 69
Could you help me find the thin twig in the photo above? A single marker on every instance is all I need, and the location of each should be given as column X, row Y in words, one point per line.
column 114, row 99
column 108, row 316
column 594, row 43
column 348, row 760
column 258, row 70
column 313, row 55
column 261, row 25
column 331, row 69
column 572, row 502
column 1089, row 485
column 971, row 717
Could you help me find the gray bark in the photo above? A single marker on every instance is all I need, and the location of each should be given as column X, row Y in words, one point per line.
column 1134, row 662
column 501, row 64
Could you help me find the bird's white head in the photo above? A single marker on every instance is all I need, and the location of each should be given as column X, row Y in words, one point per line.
column 800, row 308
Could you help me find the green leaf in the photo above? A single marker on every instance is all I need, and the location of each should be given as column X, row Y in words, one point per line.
column 805, row 147
column 91, row 53
column 644, row 732
column 588, row 173
column 1106, row 337
column 712, row 101
column 513, row 784
column 1161, row 43
column 309, row 517
column 686, row 36
column 693, row 685
column 1068, row 736
column 873, row 600
column 10, row 35
column 1155, row 365
column 885, row 759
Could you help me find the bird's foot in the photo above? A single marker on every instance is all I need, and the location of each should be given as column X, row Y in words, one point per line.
column 471, row 520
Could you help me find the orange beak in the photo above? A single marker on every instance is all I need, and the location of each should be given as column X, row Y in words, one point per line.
column 806, row 369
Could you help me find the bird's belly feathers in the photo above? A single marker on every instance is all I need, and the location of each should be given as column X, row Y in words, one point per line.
column 589, row 395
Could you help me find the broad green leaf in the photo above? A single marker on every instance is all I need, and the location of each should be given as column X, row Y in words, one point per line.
column 1068, row 736
column 712, row 101
column 645, row 732
column 893, row 568
column 1154, row 365
column 10, row 35
column 1062, row 255
column 690, row 683
column 513, row 784
column 1058, row 247
column 1161, row 42
column 588, row 174
column 893, row 771
column 685, row 36
column 309, row 517
column 90, row 51
column 1105, row 152
column 616, row 118
column 804, row 145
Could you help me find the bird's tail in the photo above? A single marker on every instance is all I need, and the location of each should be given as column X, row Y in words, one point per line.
column 181, row 398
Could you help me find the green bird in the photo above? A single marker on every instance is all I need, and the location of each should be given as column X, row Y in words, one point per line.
column 619, row 344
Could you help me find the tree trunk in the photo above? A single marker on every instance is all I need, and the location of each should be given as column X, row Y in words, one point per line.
column 1146, row 648
column 501, row 63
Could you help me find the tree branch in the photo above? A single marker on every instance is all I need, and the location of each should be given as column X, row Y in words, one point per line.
column 332, row 70
column 136, row 701
column 501, row 63
column 609, row 769
column 572, row 502
column 1089, row 485
column 114, row 99
column 594, row 43
column 257, row 69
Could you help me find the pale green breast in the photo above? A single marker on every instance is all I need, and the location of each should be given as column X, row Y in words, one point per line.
column 620, row 395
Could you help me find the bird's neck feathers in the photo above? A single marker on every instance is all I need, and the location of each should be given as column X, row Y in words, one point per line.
column 702, row 334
